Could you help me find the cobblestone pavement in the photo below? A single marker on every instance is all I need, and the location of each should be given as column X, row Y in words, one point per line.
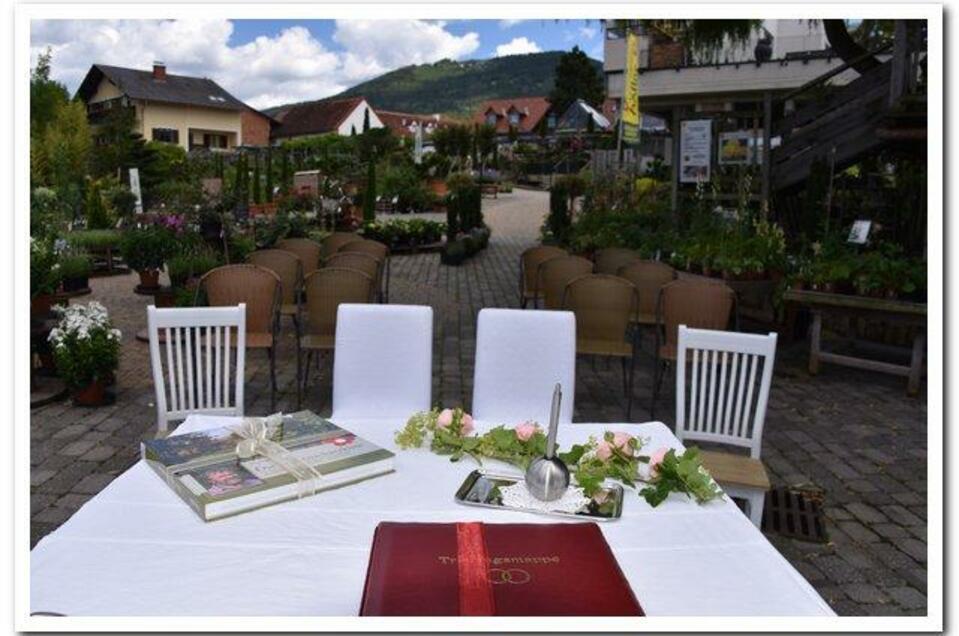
column 853, row 434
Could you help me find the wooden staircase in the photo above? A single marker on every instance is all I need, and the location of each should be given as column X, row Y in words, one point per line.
column 884, row 107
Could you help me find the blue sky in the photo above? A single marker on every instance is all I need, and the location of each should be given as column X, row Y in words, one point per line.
column 270, row 62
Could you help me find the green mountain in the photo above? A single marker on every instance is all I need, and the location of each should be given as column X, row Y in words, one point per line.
column 457, row 88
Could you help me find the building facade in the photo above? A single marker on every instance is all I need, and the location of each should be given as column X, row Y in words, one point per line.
column 192, row 112
column 323, row 117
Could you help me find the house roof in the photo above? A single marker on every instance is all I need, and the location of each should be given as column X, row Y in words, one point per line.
column 313, row 118
column 174, row 89
column 399, row 123
column 577, row 117
column 531, row 110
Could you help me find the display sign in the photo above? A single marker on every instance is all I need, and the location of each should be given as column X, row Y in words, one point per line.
column 740, row 147
column 418, row 144
column 859, row 233
column 135, row 189
column 695, row 150
column 630, row 111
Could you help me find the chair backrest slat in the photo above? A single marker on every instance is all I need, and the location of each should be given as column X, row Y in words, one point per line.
column 729, row 379
column 197, row 353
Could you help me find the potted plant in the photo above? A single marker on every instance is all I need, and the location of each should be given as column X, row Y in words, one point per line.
column 86, row 349
column 454, row 252
column 44, row 277
column 75, row 271
column 146, row 249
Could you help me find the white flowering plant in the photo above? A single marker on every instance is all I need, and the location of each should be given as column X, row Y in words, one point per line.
column 86, row 346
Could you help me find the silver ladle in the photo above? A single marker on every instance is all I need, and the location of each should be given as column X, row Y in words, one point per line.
column 547, row 477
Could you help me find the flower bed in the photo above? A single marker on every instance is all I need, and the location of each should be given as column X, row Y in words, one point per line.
column 405, row 234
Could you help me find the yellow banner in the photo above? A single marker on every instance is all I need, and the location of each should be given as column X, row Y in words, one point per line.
column 630, row 107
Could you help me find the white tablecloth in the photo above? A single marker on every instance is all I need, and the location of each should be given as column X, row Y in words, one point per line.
column 137, row 549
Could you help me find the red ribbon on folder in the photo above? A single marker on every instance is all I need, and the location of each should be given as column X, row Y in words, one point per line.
column 472, row 560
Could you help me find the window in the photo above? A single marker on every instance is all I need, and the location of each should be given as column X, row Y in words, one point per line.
column 551, row 120
column 166, row 135
column 513, row 117
column 212, row 140
column 491, row 118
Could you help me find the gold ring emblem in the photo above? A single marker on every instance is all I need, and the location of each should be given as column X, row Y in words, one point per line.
column 513, row 576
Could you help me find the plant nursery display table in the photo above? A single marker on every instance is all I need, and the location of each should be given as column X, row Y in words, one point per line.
column 892, row 311
column 137, row 549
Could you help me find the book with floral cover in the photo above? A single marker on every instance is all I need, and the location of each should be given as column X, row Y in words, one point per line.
column 229, row 470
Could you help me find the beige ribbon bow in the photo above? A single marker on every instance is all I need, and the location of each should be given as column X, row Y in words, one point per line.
column 255, row 432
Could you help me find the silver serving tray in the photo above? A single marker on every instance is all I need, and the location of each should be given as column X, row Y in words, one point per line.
column 481, row 489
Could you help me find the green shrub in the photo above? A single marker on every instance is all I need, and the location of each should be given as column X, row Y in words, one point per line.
column 47, row 217
column 147, row 248
column 98, row 215
column 75, row 266
column 94, row 239
column 44, row 268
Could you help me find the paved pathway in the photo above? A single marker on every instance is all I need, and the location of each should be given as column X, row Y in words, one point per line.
column 853, row 434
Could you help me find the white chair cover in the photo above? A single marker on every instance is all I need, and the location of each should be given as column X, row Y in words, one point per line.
column 383, row 362
column 520, row 356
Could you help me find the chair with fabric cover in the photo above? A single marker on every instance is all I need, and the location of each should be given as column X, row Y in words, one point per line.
column 379, row 251
column 603, row 305
column 332, row 243
column 529, row 262
column 198, row 357
column 325, row 290
column 307, row 249
column 555, row 273
column 261, row 291
column 648, row 277
column 383, row 363
column 520, row 356
column 611, row 259
column 359, row 261
column 694, row 303
column 289, row 268
column 729, row 375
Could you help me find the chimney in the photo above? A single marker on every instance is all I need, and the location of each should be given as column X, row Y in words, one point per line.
column 159, row 71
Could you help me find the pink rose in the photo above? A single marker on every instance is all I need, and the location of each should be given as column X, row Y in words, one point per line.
column 604, row 451
column 526, row 430
column 655, row 460
column 445, row 418
column 621, row 441
column 466, row 424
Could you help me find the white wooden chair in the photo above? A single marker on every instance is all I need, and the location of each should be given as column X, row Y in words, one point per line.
column 727, row 405
column 192, row 374
column 520, row 356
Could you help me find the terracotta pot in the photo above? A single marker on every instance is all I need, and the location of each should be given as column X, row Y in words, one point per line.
column 165, row 297
column 40, row 304
column 438, row 186
column 93, row 394
column 149, row 278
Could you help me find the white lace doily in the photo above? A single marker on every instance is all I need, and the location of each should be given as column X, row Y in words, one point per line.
column 518, row 496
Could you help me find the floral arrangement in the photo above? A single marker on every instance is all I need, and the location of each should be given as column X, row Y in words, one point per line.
column 86, row 346
column 615, row 456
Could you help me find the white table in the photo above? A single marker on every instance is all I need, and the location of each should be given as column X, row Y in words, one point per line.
column 137, row 549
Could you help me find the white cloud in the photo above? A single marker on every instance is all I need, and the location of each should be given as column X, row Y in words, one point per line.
column 517, row 46
column 588, row 32
column 508, row 24
column 270, row 70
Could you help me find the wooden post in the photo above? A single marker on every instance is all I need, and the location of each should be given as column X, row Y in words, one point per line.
column 675, row 161
column 767, row 150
